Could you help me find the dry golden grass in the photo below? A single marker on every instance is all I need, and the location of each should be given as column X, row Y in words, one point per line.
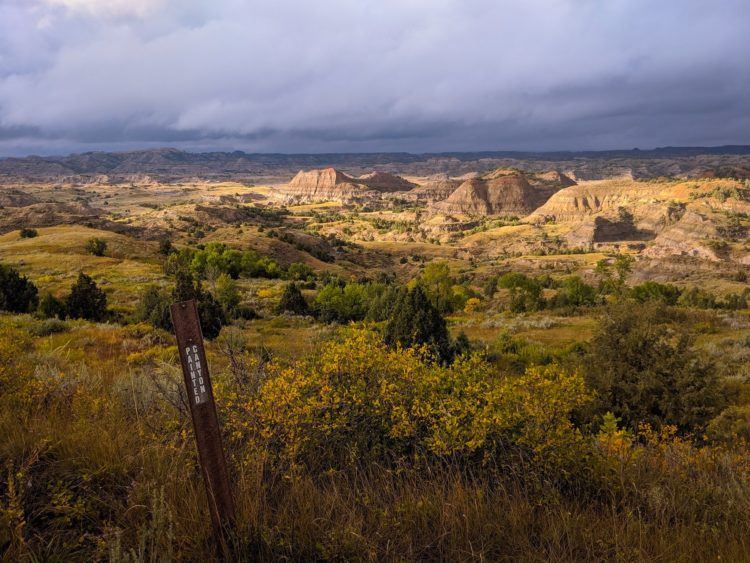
column 53, row 259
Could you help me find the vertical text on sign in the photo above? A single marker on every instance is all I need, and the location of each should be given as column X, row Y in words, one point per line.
column 195, row 368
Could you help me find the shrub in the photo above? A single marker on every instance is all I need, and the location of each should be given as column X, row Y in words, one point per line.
column 217, row 258
column 644, row 369
column 48, row 326
column 96, row 246
column 472, row 305
column 165, row 247
column 525, row 292
column 86, row 300
column 50, row 307
column 153, row 307
column 655, row 291
column 697, row 297
column 360, row 402
column 438, row 286
column 575, row 293
column 17, row 293
column 28, row 233
column 731, row 425
column 292, row 301
column 381, row 306
column 299, row 272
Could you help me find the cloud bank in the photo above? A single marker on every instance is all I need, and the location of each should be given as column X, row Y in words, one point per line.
column 346, row 75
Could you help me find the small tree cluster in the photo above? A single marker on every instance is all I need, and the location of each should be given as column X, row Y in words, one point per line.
column 155, row 303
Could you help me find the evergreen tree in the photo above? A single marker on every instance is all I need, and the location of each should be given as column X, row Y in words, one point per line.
column 644, row 368
column 209, row 309
column 86, row 300
column 17, row 293
column 292, row 301
column 415, row 321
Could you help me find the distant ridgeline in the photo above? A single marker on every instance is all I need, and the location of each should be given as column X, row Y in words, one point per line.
column 173, row 165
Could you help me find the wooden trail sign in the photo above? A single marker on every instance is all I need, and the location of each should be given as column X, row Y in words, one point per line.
column 187, row 329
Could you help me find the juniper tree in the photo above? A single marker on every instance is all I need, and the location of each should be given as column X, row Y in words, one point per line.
column 86, row 300
column 17, row 293
column 292, row 301
column 415, row 321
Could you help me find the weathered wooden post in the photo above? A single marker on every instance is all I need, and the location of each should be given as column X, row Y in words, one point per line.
column 187, row 329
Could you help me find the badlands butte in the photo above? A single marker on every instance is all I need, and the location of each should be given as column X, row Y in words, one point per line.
column 681, row 214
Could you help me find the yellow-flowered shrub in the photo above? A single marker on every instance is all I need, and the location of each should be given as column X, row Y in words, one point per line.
column 358, row 401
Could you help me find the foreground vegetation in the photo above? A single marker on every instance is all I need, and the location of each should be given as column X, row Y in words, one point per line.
column 364, row 451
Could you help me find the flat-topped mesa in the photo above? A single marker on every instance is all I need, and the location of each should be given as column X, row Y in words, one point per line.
column 329, row 184
column 500, row 192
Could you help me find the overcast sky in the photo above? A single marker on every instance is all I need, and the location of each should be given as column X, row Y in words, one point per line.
column 372, row 75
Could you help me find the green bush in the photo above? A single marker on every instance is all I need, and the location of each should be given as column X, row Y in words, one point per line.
column 153, row 307
column 210, row 311
column 337, row 303
column 525, row 292
column 86, row 300
column 575, row 293
column 48, row 326
column 96, row 246
column 51, row 307
column 697, row 297
column 415, row 322
column 28, row 233
column 292, row 301
column 644, row 369
column 298, row 271
column 228, row 294
column 655, row 291
column 17, row 293
column 217, row 258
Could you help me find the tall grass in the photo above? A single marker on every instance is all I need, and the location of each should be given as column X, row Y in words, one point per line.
column 98, row 463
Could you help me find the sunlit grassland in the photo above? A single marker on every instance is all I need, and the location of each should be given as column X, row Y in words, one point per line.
column 53, row 259
column 539, row 328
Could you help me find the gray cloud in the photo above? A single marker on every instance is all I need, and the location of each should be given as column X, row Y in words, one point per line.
column 344, row 75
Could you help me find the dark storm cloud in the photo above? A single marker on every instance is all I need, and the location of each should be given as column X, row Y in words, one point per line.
column 337, row 75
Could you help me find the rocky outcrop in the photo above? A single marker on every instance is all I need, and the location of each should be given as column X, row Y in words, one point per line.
column 46, row 215
column 602, row 229
column 501, row 192
column 687, row 237
column 385, row 182
column 326, row 184
column 329, row 184
column 16, row 198
column 433, row 189
column 577, row 202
